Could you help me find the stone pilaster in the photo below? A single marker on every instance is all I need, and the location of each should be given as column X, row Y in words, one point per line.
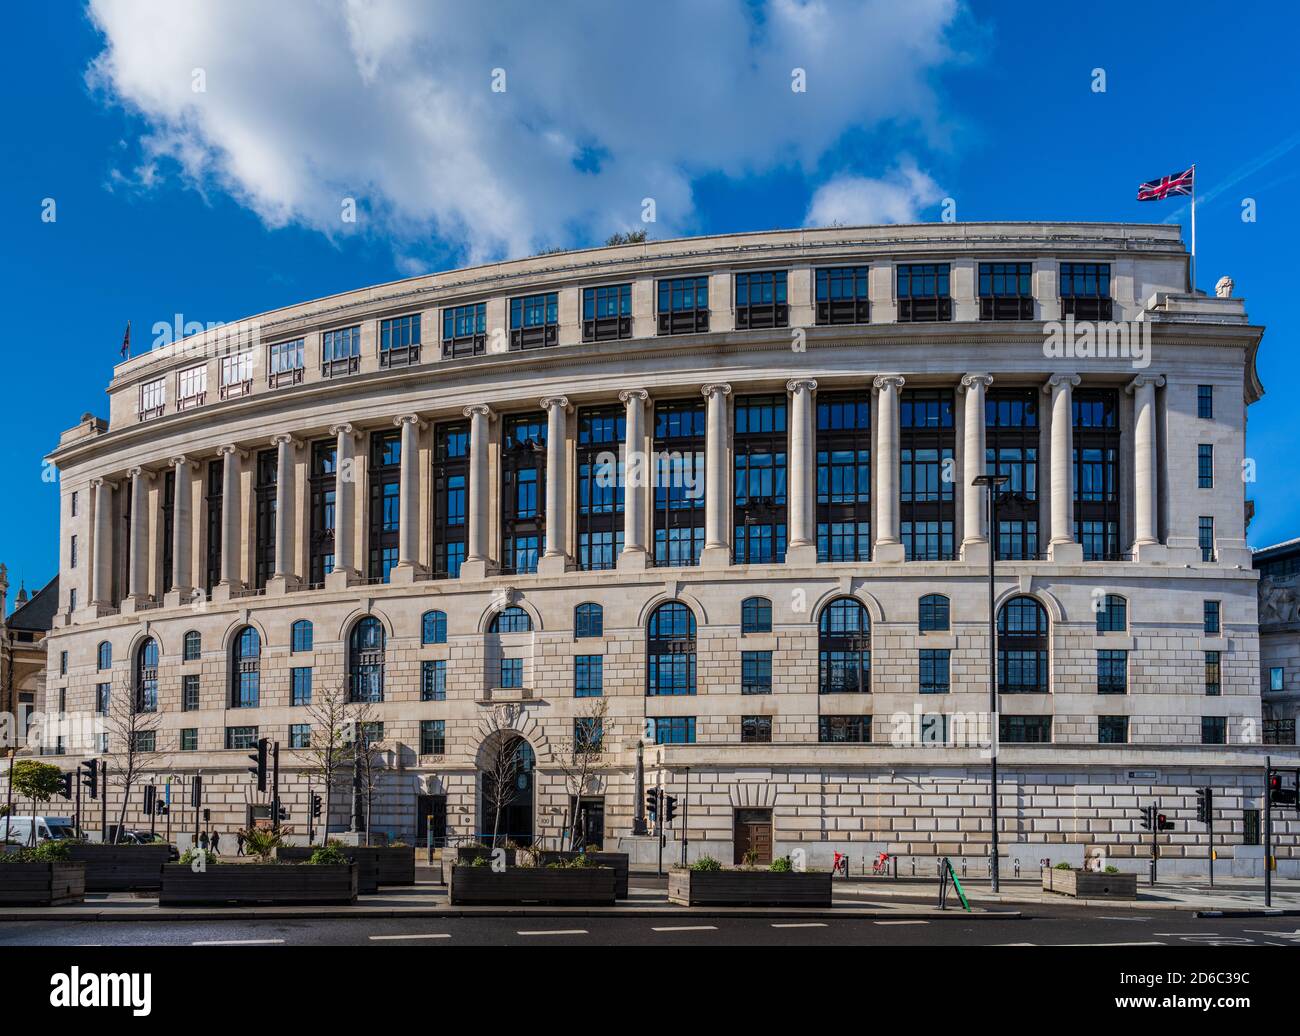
column 888, row 548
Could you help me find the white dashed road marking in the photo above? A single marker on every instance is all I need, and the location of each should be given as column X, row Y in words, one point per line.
column 801, row 924
column 902, row 922
column 556, row 931
column 431, row 935
column 688, row 928
column 238, row 942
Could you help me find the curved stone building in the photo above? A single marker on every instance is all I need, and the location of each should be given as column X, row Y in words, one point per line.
column 716, row 494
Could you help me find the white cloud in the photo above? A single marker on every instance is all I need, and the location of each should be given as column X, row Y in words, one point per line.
column 899, row 197
column 390, row 102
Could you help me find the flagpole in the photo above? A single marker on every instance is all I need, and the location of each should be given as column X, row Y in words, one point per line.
column 1193, row 229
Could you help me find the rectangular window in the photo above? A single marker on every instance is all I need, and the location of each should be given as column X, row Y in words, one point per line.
column 385, row 477
column 923, row 292
column 1276, row 679
column 72, row 503
column 601, row 435
column 670, row 730
column 534, row 321
column 1205, row 402
column 607, row 313
column 433, row 679
column 1085, row 291
column 399, row 341
column 191, row 387
column 190, row 692
column 285, row 362
column 934, row 670
column 214, row 531
column 761, row 300
column 1214, row 730
column 450, row 498
column 1112, row 730
column 433, row 736
column 241, row 737
column 340, row 351
column 1210, row 618
column 236, row 375
column 323, row 489
column 927, row 507
column 1011, row 449
column 588, row 734
column 464, row 330
column 756, row 672
column 512, row 673
column 1113, row 615
column 1112, row 672
column 266, row 473
column 300, row 685
column 1024, row 730
column 1204, row 466
column 63, row 663
column 299, row 735
column 843, row 295
column 153, row 398
column 837, row 730
column 759, row 459
column 844, row 477
column 103, row 696
column 72, row 551
column 683, row 305
column 1205, row 537
column 523, row 493
column 168, row 516
column 1006, row 291
column 755, row 730
column 189, row 739
column 1250, row 827
column 678, row 483
column 1213, row 675
column 588, row 676
column 1096, row 473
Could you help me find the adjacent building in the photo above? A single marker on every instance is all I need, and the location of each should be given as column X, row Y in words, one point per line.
column 1279, row 639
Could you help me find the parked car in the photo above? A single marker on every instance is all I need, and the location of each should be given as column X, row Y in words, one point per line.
column 152, row 838
column 48, row 829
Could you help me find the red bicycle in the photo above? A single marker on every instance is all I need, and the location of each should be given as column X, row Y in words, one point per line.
column 840, row 865
column 880, row 867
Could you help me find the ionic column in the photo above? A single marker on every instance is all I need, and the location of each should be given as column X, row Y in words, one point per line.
column 182, row 532
column 101, row 591
column 717, row 528
column 802, row 544
column 138, row 576
column 888, row 547
column 408, row 501
column 345, row 483
column 477, row 559
column 1145, row 463
column 284, row 518
column 554, row 558
column 974, row 536
column 636, row 480
column 1062, row 546
column 232, row 518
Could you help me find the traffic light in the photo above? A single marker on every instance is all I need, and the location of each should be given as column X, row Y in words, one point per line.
column 196, row 790
column 65, row 788
column 1204, row 804
column 259, row 757
column 1148, row 817
column 1280, row 794
column 670, row 808
column 652, row 804
column 315, row 805
column 1163, row 824
column 90, row 779
column 207, row 815
column 284, row 813
column 150, row 798
column 162, row 809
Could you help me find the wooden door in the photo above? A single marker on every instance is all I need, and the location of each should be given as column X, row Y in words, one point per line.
column 753, row 831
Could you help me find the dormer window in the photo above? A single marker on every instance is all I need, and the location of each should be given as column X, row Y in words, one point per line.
column 284, row 363
column 192, row 387
column 153, row 399
column 340, row 351
column 236, row 375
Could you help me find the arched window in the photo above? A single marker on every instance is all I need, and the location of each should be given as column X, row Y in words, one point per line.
column 844, row 648
column 104, row 655
column 1113, row 615
column 755, row 615
column 670, row 650
column 933, row 613
column 366, row 660
column 192, row 646
column 246, row 669
column 300, row 636
column 511, row 620
column 146, row 677
column 588, row 621
column 433, row 628
column 1022, row 647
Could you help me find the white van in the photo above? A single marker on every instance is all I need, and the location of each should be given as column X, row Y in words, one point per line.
column 48, row 829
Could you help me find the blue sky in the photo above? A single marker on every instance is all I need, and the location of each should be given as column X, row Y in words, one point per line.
column 225, row 202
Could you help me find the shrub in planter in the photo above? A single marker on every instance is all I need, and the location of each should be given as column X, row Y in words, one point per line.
column 705, row 883
column 781, row 865
column 706, row 864
column 41, row 876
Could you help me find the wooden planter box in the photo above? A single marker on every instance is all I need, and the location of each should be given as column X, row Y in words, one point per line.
column 120, row 868
column 273, row 883
column 463, row 857
column 617, row 861
column 749, row 888
column 366, row 861
column 586, row 886
column 42, row 884
column 1090, row 884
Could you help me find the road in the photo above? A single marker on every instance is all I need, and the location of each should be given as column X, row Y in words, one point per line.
column 1040, row 926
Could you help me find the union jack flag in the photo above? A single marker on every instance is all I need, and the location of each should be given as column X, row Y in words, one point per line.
column 1175, row 183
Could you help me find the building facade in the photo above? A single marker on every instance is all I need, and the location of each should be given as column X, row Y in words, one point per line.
column 1279, row 639
column 721, row 487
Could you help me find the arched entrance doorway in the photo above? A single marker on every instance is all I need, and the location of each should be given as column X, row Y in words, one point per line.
column 506, row 781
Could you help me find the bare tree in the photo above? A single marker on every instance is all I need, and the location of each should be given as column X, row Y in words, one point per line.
column 503, row 762
column 579, row 758
column 328, row 752
column 131, row 722
column 366, row 756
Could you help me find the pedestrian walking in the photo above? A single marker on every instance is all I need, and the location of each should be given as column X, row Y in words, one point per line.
column 239, row 843
column 203, row 840
column 216, row 843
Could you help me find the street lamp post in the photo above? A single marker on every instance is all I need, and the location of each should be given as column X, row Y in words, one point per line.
column 991, row 484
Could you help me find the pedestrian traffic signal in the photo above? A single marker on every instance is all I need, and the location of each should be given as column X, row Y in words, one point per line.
column 150, row 798
column 1204, row 804
column 652, row 804
column 207, row 816
column 284, row 813
column 162, row 809
column 670, row 808
column 90, row 779
column 1283, row 794
column 315, row 805
column 1163, row 824
column 65, row 786
column 259, row 757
